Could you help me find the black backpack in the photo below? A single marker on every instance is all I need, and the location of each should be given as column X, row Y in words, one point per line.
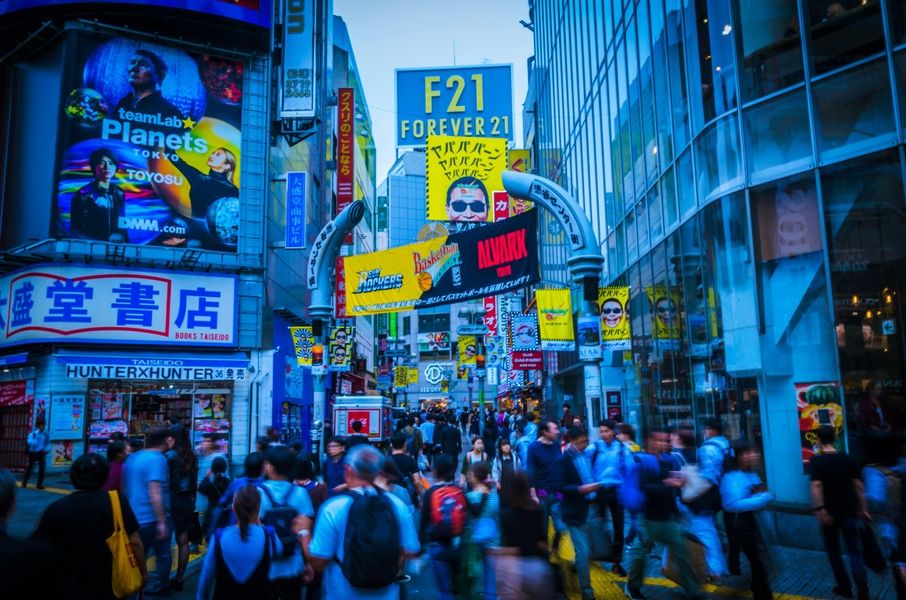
column 371, row 548
column 280, row 516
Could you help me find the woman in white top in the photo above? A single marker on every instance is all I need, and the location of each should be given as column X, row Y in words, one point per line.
column 473, row 457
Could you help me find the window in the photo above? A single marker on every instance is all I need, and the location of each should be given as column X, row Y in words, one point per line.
column 641, row 216
column 667, row 187
column 646, row 99
column 655, row 214
column 778, row 136
column 712, row 66
column 664, row 142
column 632, row 240
column 844, row 31
column 685, row 183
column 771, row 46
column 717, row 158
column 407, row 325
column 675, row 58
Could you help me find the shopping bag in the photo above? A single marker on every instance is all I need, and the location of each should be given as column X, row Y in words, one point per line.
column 694, row 485
column 127, row 576
column 695, row 551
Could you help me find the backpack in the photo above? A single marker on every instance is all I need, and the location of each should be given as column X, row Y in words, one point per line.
column 447, row 511
column 280, row 516
column 371, row 547
column 631, row 491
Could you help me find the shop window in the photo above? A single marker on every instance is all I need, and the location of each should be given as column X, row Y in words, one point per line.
column 771, row 46
column 777, row 136
column 844, row 31
column 717, row 160
column 854, row 109
column 710, row 59
column 685, row 182
column 865, row 220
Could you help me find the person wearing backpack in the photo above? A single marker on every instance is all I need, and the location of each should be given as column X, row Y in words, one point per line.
column 442, row 523
column 287, row 509
column 405, row 467
column 609, row 461
column 363, row 536
column 711, row 457
column 223, row 515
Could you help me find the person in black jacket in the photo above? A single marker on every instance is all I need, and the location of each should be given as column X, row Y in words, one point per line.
column 450, row 440
column 217, row 184
column 97, row 207
column 575, row 480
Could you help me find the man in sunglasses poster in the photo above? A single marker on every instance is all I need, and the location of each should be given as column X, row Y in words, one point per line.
column 467, row 201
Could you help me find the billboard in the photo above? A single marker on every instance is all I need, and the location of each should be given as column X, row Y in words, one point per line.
column 256, row 12
column 555, row 318
column 85, row 304
column 303, row 342
column 297, row 84
column 345, row 149
column 461, row 266
column 149, row 146
column 462, row 173
column 340, row 345
column 463, row 101
column 295, row 210
column 612, row 304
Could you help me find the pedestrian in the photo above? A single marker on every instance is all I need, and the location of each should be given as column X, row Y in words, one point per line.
column 288, row 509
column 522, row 568
column 567, row 419
column 362, row 537
column 659, row 484
column 526, row 433
column 239, row 559
column 333, row 466
column 427, row 429
column 712, row 454
column 475, row 455
column 542, row 455
column 76, row 528
column 206, row 452
column 23, row 563
column 223, row 514
column 214, row 486
column 505, row 464
column 262, row 443
column 610, row 462
column 682, row 442
column 575, row 480
column 146, row 480
column 490, row 435
column 839, row 504
column 357, row 436
column 404, row 468
column 450, row 440
column 37, row 441
column 482, row 534
column 305, row 478
column 183, row 472
column 442, row 524
column 116, row 458
column 744, row 494
column 626, row 435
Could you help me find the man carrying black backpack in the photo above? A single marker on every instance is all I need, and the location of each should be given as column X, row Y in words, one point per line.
column 442, row 524
column 362, row 536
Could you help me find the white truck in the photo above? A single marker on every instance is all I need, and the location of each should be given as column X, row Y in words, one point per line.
column 373, row 412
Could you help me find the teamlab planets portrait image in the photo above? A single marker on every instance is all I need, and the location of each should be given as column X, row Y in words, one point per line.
column 86, row 106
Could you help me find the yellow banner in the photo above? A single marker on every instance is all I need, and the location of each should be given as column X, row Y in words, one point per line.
column 612, row 304
column 303, row 340
column 555, row 319
column 462, row 173
column 665, row 308
column 521, row 162
column 400, row 377
column 468, row 349
column 412, row 375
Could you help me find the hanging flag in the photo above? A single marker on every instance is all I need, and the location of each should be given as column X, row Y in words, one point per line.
column 339, row 345
column 612, row 303
column 555, row 319
column 303, row 340
column 468, row 350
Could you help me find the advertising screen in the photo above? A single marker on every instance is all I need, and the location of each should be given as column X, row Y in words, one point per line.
column 150, row 146
column 257, row 12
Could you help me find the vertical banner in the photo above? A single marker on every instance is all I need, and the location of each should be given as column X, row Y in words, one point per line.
column 339, row 345
column 468, row 350
column 490, row 314
column 526, row 354
column 461, row 174
column 818, row 404
column 345, row 145
column 303, row 340
column 412, row 375
column 521, row 162
column 501, row 205
column 665, row 308
column 339, row 291
column 400, row 377
column 589, row 338
column 295, row 210
column 612, row 303
column 555, row 319
column 297, row 93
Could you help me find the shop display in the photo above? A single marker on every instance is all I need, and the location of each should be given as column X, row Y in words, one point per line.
column 62, row 453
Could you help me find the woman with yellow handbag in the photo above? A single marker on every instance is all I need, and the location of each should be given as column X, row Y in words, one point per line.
column 98, row 554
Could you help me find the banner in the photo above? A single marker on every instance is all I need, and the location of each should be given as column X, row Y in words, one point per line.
column 303, row 340
column 298, row 73
column 106, row 305
column 525, row 332
column 521, row 162
column 339, row 346
column 665, row 308
column 345, row 149
column 295, row 210
column 150, row 146
column 471, row 264
column 818, row 404
column 555, row 319
column 490, row 314
column 612, row 303
column 400, row 377
column 412, row 375
column 589, row 338
column 468, row 350
column 462, row 173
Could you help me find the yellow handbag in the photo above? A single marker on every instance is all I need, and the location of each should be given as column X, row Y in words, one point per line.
column 127, row 576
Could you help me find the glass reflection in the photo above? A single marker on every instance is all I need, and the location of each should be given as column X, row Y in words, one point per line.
column 717, row 159
column 712, row 66
column 777, row 135
column 844, row 31
column 771, row 47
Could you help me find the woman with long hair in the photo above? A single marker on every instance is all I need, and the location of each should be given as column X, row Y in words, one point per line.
column 505, row 464
column 237, row 563
column 183, row 468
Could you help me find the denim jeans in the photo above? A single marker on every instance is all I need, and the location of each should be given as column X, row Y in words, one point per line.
column 550, row 505
column 581, row 539
column 444, row 564
column 850, row 528
column 162, row 551
column 488, row 575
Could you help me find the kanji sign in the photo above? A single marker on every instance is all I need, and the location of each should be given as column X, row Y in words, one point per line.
column 61, row 304
column 295, row 210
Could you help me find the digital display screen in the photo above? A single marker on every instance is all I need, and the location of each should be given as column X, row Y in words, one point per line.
column 257, row 12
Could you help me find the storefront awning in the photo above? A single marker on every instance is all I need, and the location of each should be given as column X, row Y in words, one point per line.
column 155, row 365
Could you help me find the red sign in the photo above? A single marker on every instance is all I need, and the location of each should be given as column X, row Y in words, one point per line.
column 490, row 314
column 345, row 149
column 527, row 360
column 13, row 392
column 339, row 298
column 501, row 205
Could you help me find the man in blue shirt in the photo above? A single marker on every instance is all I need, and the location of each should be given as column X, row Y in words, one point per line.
column 146, row 480
column 427, row 429
column 37, row 442
column 362, row 465
column 609, row 459
column 542, row 454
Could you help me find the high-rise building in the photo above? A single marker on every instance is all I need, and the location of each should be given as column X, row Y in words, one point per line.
column 742, row 164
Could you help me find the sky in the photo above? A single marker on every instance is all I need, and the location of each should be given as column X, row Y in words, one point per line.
column 395, row 34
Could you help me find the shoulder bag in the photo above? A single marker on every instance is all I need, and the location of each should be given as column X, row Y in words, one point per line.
column 127, row 576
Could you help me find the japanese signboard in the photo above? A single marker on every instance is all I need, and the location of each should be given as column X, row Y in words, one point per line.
column 20, row 391
column 461, row 175
column 340, row 345
column 612, row 303
column 303, row 341
column 589, row 338
column 555, row 319
column 345, row 147
column 521, row 162
column 297, row 89
column 490, row 314
column 169, row 369
column 470, row 264
column 67, row 417
column 525, row 332
column 464, row 101
column 85, row 304
column 150, row 146
column 295, row 209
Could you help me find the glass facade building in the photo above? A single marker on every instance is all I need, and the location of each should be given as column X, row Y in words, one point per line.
column 742, row 164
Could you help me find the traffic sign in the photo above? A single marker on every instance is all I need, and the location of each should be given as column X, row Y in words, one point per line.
column 472, row 329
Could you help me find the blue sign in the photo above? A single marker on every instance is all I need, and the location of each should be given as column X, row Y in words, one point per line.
column 13, row 359
column 295, row 210
column 457, row 101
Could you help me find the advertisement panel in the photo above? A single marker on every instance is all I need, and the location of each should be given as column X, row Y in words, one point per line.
column 297, row 84
column 471, row 264
column 339, row 345
column 465, row 101
column 665, row 308
column 434, row 342
column 303, row 341
column 525, row 332
column 490, row 314
column 521, row 162
column 462, row 173
column 612, row 303
column 589, row 338
column 295, row 210
column 818, row 404
column 60, row 304
column 555, row 319
column 67, row 417
column 345, row 147
column 150, row 146
column 255, row 12
column 467, row 349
